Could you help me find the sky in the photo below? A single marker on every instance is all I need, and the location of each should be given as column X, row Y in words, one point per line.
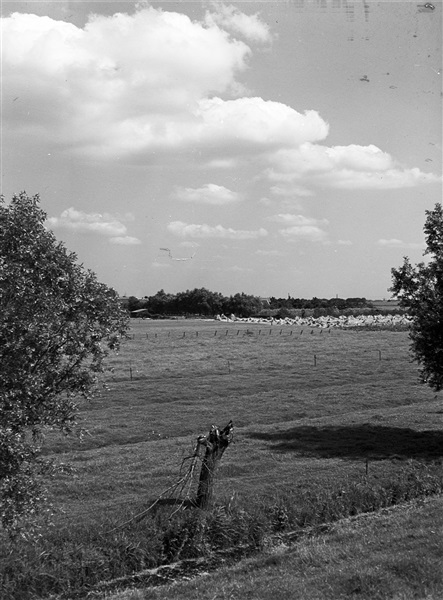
column 271, row 148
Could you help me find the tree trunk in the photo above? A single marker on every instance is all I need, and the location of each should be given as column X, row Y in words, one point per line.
column 215, row 443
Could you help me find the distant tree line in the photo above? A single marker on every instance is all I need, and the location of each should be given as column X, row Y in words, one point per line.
column 340, row 303
column 206, row 303
column 196, row 302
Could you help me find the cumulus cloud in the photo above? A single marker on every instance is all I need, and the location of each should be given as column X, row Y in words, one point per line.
column 344, row 167
column 218, row 231
column 301, row 228
column 102, row 224
column 315, row 158
column 129, row 80
column 208, row 194
column 249, row 26
column 126, row 86
column 258, row 122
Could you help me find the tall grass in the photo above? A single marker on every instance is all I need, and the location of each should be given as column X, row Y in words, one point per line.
column 72, row 562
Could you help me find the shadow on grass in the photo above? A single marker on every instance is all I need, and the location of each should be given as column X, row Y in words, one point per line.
column 356, row 441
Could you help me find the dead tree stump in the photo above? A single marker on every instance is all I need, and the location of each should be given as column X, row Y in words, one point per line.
column 215, row 444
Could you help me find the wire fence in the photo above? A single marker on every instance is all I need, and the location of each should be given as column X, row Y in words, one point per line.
column 233, row 332
column 181, row 354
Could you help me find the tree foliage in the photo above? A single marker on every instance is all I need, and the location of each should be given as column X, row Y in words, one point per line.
column 201, row 301
column 57, row 324
column 420, row 289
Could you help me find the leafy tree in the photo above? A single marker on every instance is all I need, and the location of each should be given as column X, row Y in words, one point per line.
column 161, row 303
column 420, row 290
column 133, row 303
column 243, row 305
column 57, row 324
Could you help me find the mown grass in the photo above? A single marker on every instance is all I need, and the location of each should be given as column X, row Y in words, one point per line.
column 310, row 435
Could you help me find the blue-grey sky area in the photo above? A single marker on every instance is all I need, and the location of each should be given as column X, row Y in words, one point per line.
column 279, row 147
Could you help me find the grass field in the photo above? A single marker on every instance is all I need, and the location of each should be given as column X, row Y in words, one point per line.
column 313, row 410
column 393, row 554
column 349, row 407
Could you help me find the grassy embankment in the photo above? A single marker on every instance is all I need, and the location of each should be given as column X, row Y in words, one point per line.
column 396, row 553
column 327, row 425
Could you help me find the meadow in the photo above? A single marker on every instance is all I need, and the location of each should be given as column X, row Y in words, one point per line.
column 333, row 420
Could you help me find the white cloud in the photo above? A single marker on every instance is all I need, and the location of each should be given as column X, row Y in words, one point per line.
column 344, row 167
column 395, row 243
column 297, row 220
column 315, row 158
column 381, row 180
column 254, row 121
column 306, row 233
column 101, row 224
column 126, row 80
column 127, row 86
column 344, row 242
column 208, row 194
column 222, row 163
column 301, row 228
column 218, row 231
column 230, row 18
column 127, row 240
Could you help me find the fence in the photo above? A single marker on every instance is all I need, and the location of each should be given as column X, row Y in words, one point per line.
column 208, row 351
